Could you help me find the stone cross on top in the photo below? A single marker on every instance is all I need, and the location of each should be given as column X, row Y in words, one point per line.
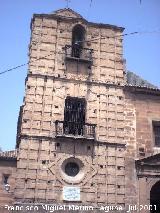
column 67, row 3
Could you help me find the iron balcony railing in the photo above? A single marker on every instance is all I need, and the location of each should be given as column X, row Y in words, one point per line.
column 76, row 52
column 75, row 129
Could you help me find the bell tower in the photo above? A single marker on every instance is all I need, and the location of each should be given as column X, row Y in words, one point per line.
column 71, row 125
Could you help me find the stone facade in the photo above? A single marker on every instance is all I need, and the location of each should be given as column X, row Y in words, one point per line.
column 118, row 117
column 50, row 80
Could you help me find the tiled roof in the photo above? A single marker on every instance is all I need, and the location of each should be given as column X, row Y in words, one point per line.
column 137, row 81
column 9, row 155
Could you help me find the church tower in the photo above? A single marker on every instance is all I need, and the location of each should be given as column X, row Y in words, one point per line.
column 71, row 129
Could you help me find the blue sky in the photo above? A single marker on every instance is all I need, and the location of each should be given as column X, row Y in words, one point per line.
column 141, row 51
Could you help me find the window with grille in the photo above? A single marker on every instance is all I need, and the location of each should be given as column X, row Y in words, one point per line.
column 74, row 116
column 156, row 131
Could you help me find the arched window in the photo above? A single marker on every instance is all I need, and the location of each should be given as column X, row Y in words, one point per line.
column 78, row 37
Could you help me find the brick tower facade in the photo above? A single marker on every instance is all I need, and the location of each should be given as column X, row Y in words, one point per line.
column 88, row 133
column 74, row 124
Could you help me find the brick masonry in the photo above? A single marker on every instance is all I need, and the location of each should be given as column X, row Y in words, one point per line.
column 123, row 118
column 50, row 80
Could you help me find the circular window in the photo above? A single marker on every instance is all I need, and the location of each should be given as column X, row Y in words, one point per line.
column 72, row 169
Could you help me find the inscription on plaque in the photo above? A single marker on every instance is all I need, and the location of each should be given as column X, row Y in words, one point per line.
column 71, row 193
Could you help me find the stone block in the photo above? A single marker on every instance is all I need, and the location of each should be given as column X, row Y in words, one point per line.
column 29, row 193
column 22, row 164
column 111, row 199
column 41, row 185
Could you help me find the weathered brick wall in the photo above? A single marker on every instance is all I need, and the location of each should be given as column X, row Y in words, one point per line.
column 104, row 171
column 131, row 149
column 140, row 110
column 45, row 101
column 49, row 37
column 45, row 94
column 147, row 110
column 50, row 80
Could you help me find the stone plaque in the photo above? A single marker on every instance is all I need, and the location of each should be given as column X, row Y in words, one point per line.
column 71, row 193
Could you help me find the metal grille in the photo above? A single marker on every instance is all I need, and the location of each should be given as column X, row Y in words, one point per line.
column 74, row 116
column 77, row 52
column 88, row 130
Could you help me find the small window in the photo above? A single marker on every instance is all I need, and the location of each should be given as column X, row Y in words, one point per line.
column 5, row 179
column 156, row 133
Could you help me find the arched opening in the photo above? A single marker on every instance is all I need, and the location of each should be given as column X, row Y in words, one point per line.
column 155, row 197
column 78, row 37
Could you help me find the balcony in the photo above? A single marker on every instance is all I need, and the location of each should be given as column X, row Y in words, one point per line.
column 78, row 53
column 77, row 130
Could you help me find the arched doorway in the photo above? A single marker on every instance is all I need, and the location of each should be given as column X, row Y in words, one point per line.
column 155, row 197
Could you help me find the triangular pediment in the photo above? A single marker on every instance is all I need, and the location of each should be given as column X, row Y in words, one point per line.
column 151, row 160
column 149, row 166
column 67, row 12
